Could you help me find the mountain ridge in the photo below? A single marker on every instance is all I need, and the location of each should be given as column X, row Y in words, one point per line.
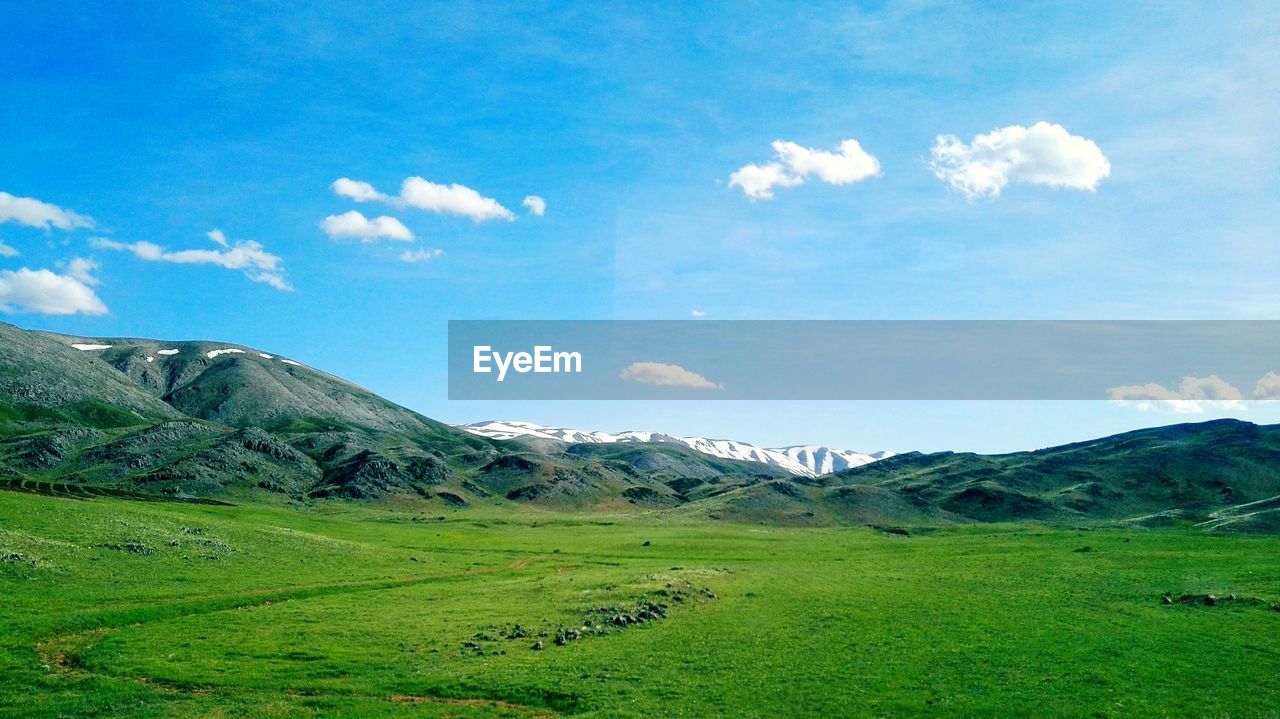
column 220, row 421
column 800, row 460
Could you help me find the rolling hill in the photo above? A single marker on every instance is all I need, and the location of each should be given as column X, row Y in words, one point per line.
column 1224, row 473
column 233, row 423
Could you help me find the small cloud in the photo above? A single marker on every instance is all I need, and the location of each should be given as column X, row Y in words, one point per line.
column 416, row 256
column 218, row 238
column 34, row 213
column 47, row 292
column 796, row 163
column 667, row 375
column 271, row 279
column 1212, row 388
column 536, row 205
column 758, row 181
column 246, row 256
column 1043, row 154
column 355, row 224
column 83, row 269
column 453, row 199
column 357, row 190
column 421, row 194
column 1267, row 388
column 697, row 313
column 1193, row 396
column 7, row 251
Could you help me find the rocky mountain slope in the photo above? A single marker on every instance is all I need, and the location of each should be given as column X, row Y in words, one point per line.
column 214, row 419
column 804, row 461
column 1223, row 472
column 224, row 422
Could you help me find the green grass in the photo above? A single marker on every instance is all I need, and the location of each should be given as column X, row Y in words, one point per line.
column 120, row 608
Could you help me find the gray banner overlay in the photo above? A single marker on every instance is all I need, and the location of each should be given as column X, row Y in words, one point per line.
column 1137, row 361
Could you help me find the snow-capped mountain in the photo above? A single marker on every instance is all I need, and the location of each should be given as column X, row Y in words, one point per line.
column 807, row 460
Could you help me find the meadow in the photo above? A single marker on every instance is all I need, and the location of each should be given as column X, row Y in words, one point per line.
column 118, row 608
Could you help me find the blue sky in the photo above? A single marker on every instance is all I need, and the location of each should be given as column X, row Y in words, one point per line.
column 162, row 122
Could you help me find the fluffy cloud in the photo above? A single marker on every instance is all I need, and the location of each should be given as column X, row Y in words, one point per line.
column 421, row 194
column 47, row 292
column 795, row 163
column 1194, row 395
column 1043, row 154
column 82, row 270
column 1268, row 388
column 34, row 213
column 536, row 205
column 7, row 251
column 667, row 375
column 697, row 313
column 416, row 256
column 453, row 199
column 246, row 256
column 358, row 191
column 758, row 181
column 354, row 224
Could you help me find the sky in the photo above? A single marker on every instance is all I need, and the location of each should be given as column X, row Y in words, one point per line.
column 335, row 183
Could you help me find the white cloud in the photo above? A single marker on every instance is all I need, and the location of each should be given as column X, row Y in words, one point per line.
column 46, row 292
column 34, row 213
column 537, row 206
column 667, row 375
column 1193, row 396
column 271, row 279
column 357, row 190
column 354, row 224
column 1043, row 154
column 697, row 313
column 851, row 164
column 217, row 237
column 796, row 163
column 416, row 256
column 7, row 251
column 246, row 256
column 1268, row 387
column 758, row 181
column 453, row 199
column 83, row 269
column 421, row 194
column 1212, row 387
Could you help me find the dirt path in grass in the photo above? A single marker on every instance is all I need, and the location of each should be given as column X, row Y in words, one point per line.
column 59, row 652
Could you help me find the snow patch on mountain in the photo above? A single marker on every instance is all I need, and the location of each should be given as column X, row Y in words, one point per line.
column 805, row 460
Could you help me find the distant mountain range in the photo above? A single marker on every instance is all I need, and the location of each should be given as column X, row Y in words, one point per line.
column 214, row 421
column 802, row 460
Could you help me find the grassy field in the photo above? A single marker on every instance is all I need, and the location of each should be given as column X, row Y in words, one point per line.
column 110, row 607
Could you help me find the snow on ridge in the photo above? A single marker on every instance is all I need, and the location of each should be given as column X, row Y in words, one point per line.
column 806, row 461
column 230, row 350
column 89, row 348
column 167, row 352
column 295, row 364
column 264, row 355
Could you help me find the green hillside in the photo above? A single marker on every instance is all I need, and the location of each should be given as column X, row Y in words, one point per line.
column 1225, row 473
column 234, row 423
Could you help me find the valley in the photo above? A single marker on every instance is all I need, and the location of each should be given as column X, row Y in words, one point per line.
column 200, row 529
column 165, row 609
